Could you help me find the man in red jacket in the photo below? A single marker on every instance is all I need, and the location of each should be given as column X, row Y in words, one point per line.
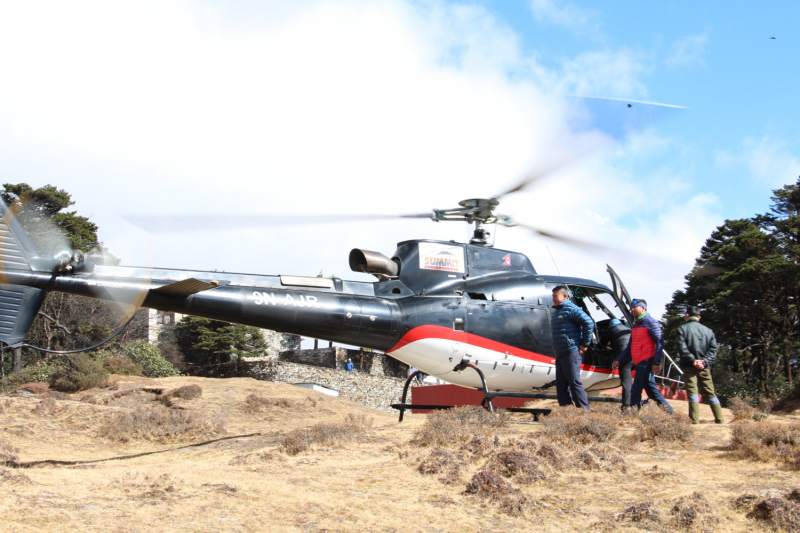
column 646, row 349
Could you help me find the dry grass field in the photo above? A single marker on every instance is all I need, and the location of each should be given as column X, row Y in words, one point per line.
column 195, row 454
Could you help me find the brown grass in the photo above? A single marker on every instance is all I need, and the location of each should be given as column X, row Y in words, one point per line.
column 456, row 426
column 335, row 435
column 743, row 409
column 660, row 426
column 159, row 424
column 767, row 441
column 571, row 426
column 8, row 453
column 257, row 404
column 246, row 483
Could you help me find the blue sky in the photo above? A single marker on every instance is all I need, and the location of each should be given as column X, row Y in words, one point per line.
column 397, row 106
column 715, row 58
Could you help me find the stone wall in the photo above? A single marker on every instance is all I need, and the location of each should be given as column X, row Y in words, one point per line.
column 322, row 357
column 280, row 342
column 375, row 391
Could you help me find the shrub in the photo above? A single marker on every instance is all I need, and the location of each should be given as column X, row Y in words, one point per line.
column 520, row 464
column 658, row 425
column 458, row 426
column 489, row 484
column 336, row 434
column 767, row 441
column 121, row 366
column 30, row 374
column 76, row 372
column 569, row 425
column 782, row 515
column 150, row 359
column 442, row 461
column 160, row 425
column 694, row 510
column 641, row 512
column 187, row 392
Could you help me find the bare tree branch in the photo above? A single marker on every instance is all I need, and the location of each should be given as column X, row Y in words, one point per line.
column 57, row 324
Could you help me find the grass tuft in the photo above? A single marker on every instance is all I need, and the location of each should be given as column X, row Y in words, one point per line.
column 767, row 441
column 8, row 453
column 641, row 512
column 335, row 435
column 489, row 484
column 743, row 409
column 257, row 404
column 568, row 425
column 657, row 425
column 522, row 465
column 444, row 462
column 160, row 425
column 10, row 478
column 693, row 511
column 460, row 425
column 778, row 513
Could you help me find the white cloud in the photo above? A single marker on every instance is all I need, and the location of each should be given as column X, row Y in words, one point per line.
column 768, row 160
column 326, row 106
column 687, row 51
column 577, row 19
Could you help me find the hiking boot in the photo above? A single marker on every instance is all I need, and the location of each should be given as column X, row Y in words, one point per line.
column 717, row 410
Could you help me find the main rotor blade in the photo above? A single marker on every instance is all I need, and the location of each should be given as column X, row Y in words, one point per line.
column 538, row 173
column 162, row 224
column 572, row 241
column 613, row 117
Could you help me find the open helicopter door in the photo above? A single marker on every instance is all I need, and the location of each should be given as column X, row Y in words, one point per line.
column 621, row 295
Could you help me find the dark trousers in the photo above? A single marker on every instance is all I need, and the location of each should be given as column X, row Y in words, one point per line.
column 645, row 380
column 569, row 388
column 626, row 379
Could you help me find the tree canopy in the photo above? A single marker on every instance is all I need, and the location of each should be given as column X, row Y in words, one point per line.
column 206, row 341
column 747, row 283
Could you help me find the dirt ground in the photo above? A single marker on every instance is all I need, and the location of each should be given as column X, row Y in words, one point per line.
column 242, row 481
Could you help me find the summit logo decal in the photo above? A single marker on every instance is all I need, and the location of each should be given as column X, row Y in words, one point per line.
column 433, row 256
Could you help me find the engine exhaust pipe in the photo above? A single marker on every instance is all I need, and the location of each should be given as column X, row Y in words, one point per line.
column 372, row 263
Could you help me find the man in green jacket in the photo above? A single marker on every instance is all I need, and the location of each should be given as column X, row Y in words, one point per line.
column 697, row 349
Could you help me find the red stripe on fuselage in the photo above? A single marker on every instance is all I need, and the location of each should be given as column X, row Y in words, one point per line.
column 439, row 332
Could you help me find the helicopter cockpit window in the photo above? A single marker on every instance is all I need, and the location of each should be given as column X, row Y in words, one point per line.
column 602, row 307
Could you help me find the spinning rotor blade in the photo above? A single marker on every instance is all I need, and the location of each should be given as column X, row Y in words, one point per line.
column 613, row 117
column 159, row 224
column 572, row 241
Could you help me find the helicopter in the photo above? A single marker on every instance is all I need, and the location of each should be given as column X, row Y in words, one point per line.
column 436, row 305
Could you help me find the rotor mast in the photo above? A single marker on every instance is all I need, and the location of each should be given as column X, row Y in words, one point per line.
column 477, row 211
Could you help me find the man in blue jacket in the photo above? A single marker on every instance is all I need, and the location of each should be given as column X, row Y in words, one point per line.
column 571, row 333
column 646, row 349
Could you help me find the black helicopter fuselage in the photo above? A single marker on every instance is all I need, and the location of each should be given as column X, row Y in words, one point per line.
column 448, row 302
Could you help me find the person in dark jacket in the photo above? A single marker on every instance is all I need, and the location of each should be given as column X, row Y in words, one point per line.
column 571, row 334
column 645, row 350
column 618, row 335
column 697, row 349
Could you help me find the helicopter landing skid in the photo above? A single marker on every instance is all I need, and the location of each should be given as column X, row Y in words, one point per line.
column 489, row 395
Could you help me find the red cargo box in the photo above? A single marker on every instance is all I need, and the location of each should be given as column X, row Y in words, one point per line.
column 455, row 395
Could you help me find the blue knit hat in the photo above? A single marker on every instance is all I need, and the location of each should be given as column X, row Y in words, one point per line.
column 615, row 322
column 638, row 302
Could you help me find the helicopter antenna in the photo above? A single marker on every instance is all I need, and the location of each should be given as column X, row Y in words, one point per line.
column 554, row 259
